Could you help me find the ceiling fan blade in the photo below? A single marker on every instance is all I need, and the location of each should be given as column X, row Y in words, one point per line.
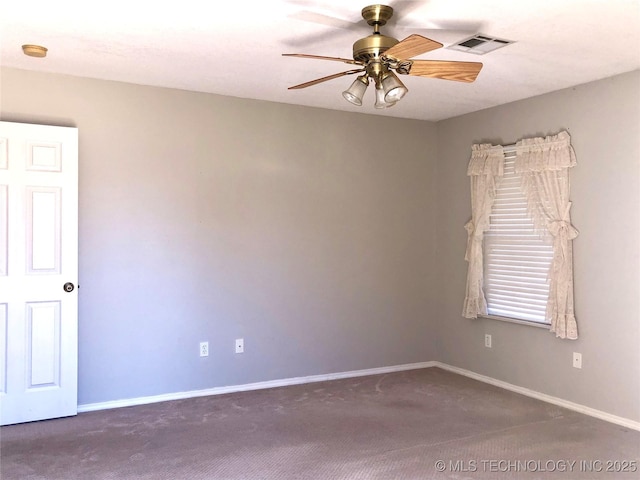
column 320, row 57
column 318, row 18
column 401, row 8
column 446, row 70
column 411, row 46
column 324, row 79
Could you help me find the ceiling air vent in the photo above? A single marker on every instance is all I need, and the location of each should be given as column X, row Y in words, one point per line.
column 480, row 44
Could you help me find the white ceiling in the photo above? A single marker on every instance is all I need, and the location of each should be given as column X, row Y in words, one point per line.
column 233, row 48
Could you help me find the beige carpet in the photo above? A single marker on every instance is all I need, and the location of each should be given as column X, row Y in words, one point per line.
column 418, row 424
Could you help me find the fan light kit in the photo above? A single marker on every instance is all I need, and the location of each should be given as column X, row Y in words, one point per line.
column 379, row 56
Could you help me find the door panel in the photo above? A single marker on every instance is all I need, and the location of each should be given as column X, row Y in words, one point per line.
column 4, row 230
column 43, row 342
column 4, row 163
column 38, row 255
column 44, row 156
column 43, row 230
column 3, row 348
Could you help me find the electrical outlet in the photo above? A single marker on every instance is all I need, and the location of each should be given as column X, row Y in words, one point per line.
column 577, row 360
column 239, row 345
column 487, row 341
column 204, row 349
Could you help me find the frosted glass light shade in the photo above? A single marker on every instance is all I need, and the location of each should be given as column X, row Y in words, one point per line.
column 380, row 103
column 356, row 91
column 394, row 89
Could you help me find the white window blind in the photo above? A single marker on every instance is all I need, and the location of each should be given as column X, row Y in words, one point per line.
column 516, row 257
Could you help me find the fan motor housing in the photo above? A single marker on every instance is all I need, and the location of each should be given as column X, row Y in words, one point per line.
column 372, row 47
column 377, row 14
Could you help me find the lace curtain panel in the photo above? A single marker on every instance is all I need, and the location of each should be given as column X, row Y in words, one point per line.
column 544, row 164
column 485, row 167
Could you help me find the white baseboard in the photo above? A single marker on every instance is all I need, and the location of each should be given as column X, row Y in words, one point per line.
column 592, row 412
column 128, row 402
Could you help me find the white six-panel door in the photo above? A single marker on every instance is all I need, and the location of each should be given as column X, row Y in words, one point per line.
column 38, row 257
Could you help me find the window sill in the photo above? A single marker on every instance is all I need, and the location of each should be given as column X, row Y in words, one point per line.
column 546, row 326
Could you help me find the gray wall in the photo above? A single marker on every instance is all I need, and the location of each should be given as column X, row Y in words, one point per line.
column 603, row 119
column 202, row 217
column 325, row 246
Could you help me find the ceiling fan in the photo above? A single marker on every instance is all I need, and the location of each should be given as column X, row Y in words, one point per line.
column 379, row 55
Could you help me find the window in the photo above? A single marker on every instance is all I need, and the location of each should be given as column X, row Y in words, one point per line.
column 517, row 258
column 511, row 256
